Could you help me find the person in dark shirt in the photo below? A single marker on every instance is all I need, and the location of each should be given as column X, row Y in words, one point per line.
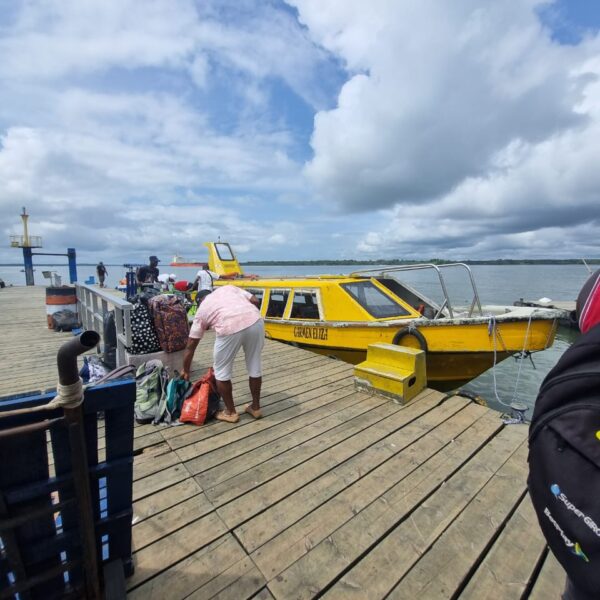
column 148, row 273
column 101, row 272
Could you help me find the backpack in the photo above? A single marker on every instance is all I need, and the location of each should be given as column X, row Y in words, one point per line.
column 170, row 322
column 176, row 391
column 150, row 392
column 202, row 400
column 564, row 461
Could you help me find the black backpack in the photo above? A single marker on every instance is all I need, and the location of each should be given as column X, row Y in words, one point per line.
column 564, row 461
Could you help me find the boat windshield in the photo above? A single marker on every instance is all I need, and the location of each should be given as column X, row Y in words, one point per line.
column 224, row 251
column 374, row 301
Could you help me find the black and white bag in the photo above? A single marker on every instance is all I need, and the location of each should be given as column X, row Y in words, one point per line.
column 564, row 461
column 143, row 334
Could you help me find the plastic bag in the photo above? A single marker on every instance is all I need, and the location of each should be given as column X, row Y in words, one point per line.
column 202, row 400
column 65, row 320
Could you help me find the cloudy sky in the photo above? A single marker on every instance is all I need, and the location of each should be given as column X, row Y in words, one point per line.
column 302, row 129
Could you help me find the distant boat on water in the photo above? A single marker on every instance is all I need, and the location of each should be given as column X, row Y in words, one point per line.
column 179, row 261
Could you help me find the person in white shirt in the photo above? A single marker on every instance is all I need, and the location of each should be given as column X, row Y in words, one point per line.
column 166, row 280
column 205, row 278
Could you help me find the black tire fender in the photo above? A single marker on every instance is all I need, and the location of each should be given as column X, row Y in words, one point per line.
column 402, row 333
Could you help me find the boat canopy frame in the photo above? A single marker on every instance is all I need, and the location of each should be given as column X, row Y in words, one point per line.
column 475, row 302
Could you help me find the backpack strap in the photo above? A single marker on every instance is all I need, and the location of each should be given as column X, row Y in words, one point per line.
column 118, row 373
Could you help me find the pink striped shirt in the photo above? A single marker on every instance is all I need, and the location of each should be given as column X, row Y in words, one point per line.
column 227, row 310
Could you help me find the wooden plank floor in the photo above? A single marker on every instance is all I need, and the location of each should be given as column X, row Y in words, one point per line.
column 333, row 494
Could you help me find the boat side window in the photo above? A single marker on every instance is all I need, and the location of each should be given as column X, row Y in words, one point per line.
column 277, row 301
column 305, row 305
column 374, row 301
column 259, row 293
column 224, row 251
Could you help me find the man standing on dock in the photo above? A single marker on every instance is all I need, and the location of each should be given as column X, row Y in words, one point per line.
column 101, row 272
column 148, row 273
column 234, row 315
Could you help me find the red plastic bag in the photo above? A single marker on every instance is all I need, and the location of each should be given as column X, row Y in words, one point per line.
column 202, row 400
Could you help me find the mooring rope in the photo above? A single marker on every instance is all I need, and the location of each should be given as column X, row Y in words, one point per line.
column 68, row 396
column 520, row 414
column 522, row 357
column 492, row 328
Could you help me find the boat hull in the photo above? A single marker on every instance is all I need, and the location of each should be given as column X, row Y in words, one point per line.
column 456, row 351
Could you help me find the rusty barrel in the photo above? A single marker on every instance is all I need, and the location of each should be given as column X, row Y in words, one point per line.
column 60, row 298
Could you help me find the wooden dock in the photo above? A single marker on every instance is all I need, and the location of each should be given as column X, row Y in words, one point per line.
column 333, row 494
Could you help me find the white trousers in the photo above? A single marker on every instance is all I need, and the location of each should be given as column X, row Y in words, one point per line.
column 252, row 339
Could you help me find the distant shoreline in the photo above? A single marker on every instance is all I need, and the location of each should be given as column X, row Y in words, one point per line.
column 435, row 261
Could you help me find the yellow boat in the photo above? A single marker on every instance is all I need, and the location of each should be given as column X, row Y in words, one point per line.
column 341, row 315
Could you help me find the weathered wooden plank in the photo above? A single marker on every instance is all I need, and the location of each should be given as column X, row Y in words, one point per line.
column 216, row 449
column 331, row 557
column 366, row 464
column 165, row 499
column 371, row 411
column 158, row 463
column 271, row 445
column 243, row 508
column 186, row 573
column 440, row 571
column 159, row 481
column 171, row 549
column 475, row 500
column 264, row 432
column 270, row 405
column 264, row 594
column 242, row 580
column 384, row 494
column 550, row 582
column 168, row 521
column 507, row 568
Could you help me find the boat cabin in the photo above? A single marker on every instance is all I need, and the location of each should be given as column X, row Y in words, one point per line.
column 373, row 295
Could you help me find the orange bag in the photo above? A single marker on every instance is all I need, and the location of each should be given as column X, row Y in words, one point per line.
column 202, row 400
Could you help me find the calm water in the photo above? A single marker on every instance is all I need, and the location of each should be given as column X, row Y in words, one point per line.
column 495, row 284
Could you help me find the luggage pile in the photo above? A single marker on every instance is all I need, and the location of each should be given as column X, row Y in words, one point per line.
column 158, row 322
column 173, row 401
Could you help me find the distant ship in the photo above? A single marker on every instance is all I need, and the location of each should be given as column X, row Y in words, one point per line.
column 179, row 261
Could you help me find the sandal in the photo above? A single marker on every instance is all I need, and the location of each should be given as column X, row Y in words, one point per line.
column 257, row 414
column 223, row 416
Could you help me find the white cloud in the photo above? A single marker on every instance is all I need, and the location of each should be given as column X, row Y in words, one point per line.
column 460, row 129
column 441, row 90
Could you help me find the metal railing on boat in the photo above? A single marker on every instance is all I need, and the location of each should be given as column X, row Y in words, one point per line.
column 94, row 303
column 475, row 302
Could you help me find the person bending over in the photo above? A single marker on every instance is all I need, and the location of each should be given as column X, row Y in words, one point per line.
column 233, row 314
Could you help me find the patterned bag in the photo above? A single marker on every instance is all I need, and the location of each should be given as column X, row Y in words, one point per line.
column 170, row 321
column 143, row 334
